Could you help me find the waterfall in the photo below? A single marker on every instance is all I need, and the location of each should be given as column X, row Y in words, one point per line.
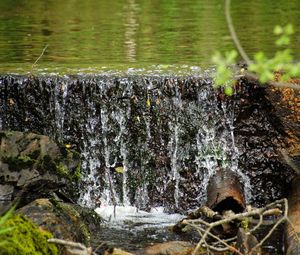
column 145, row 140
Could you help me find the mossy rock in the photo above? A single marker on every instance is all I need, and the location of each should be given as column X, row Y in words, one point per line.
column 64, row 220
column 35, row 165
column 25, row 238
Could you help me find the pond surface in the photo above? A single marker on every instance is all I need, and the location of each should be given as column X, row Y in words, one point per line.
column 100, row 34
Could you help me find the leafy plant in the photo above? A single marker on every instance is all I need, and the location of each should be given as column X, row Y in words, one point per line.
column 3, row 220
column 262, row 67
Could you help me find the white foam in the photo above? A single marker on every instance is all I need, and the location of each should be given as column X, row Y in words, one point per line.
column 122, row 216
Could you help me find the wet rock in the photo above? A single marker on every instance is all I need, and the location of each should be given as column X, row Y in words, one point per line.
column 63, row 220
column 31, row 166
column 169, row 248
column 286, row 106
column 260, row 136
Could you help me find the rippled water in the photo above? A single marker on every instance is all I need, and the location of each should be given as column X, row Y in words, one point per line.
column 99, row 34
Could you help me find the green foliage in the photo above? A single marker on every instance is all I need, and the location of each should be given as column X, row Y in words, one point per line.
column 223, row 74
column 262, row 66
column 25, row 238
column 3, row 220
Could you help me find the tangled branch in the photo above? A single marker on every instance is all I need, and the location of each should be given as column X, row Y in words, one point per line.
column 212, row 242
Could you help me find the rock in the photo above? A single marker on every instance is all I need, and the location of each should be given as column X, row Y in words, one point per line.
column 292, row 229
column 259, row 136
column 61, row 219
column 25, row 238
column 169, row 248
column 286, row 106
column 116, row 251
column 31, row 166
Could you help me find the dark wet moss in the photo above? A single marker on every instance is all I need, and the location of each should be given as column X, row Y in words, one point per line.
column 18, row 163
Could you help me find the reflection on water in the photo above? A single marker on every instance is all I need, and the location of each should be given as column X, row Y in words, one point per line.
column 134, row 32
column 130, row 30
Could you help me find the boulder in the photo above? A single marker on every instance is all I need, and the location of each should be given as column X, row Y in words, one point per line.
column 32, row 165
column 64, row 220
column 22, row 236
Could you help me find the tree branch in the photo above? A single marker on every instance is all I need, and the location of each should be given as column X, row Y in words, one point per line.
column 233, row 33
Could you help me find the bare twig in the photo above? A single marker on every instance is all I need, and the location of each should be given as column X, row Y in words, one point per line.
column 252, row 76
column 204, row 228
column 228, row 247
column 233, row 33
column 40, row 56
column 73, row 247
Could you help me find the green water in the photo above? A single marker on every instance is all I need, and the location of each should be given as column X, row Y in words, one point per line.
column 118, row 34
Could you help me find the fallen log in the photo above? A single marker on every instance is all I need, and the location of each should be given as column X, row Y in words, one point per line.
column 225, row 192
column 292, row 228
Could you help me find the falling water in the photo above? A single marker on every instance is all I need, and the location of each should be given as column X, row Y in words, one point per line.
column 145, row 141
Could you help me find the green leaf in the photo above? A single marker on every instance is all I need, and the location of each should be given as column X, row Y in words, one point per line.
column 228, row 90
column 266, row 76
column 283, row 40
column 230, row 56
column 289, row 29
column 7, row 215
column 278, row 30
column 260, row 56
column 294, row 70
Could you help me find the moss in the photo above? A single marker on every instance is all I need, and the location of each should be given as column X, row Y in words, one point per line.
column 26, row 238
column 62, row 170
column 245, row 224
column 70, row 214
column 77, row 173
column 18, row 163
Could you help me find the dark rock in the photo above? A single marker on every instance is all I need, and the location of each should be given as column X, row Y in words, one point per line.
column 31, row 166
column 286, row 106
column 260, row 136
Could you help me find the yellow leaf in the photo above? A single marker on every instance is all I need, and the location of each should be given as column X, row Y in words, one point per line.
column 148, row 103
column 68, row 146
column 119, row 169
